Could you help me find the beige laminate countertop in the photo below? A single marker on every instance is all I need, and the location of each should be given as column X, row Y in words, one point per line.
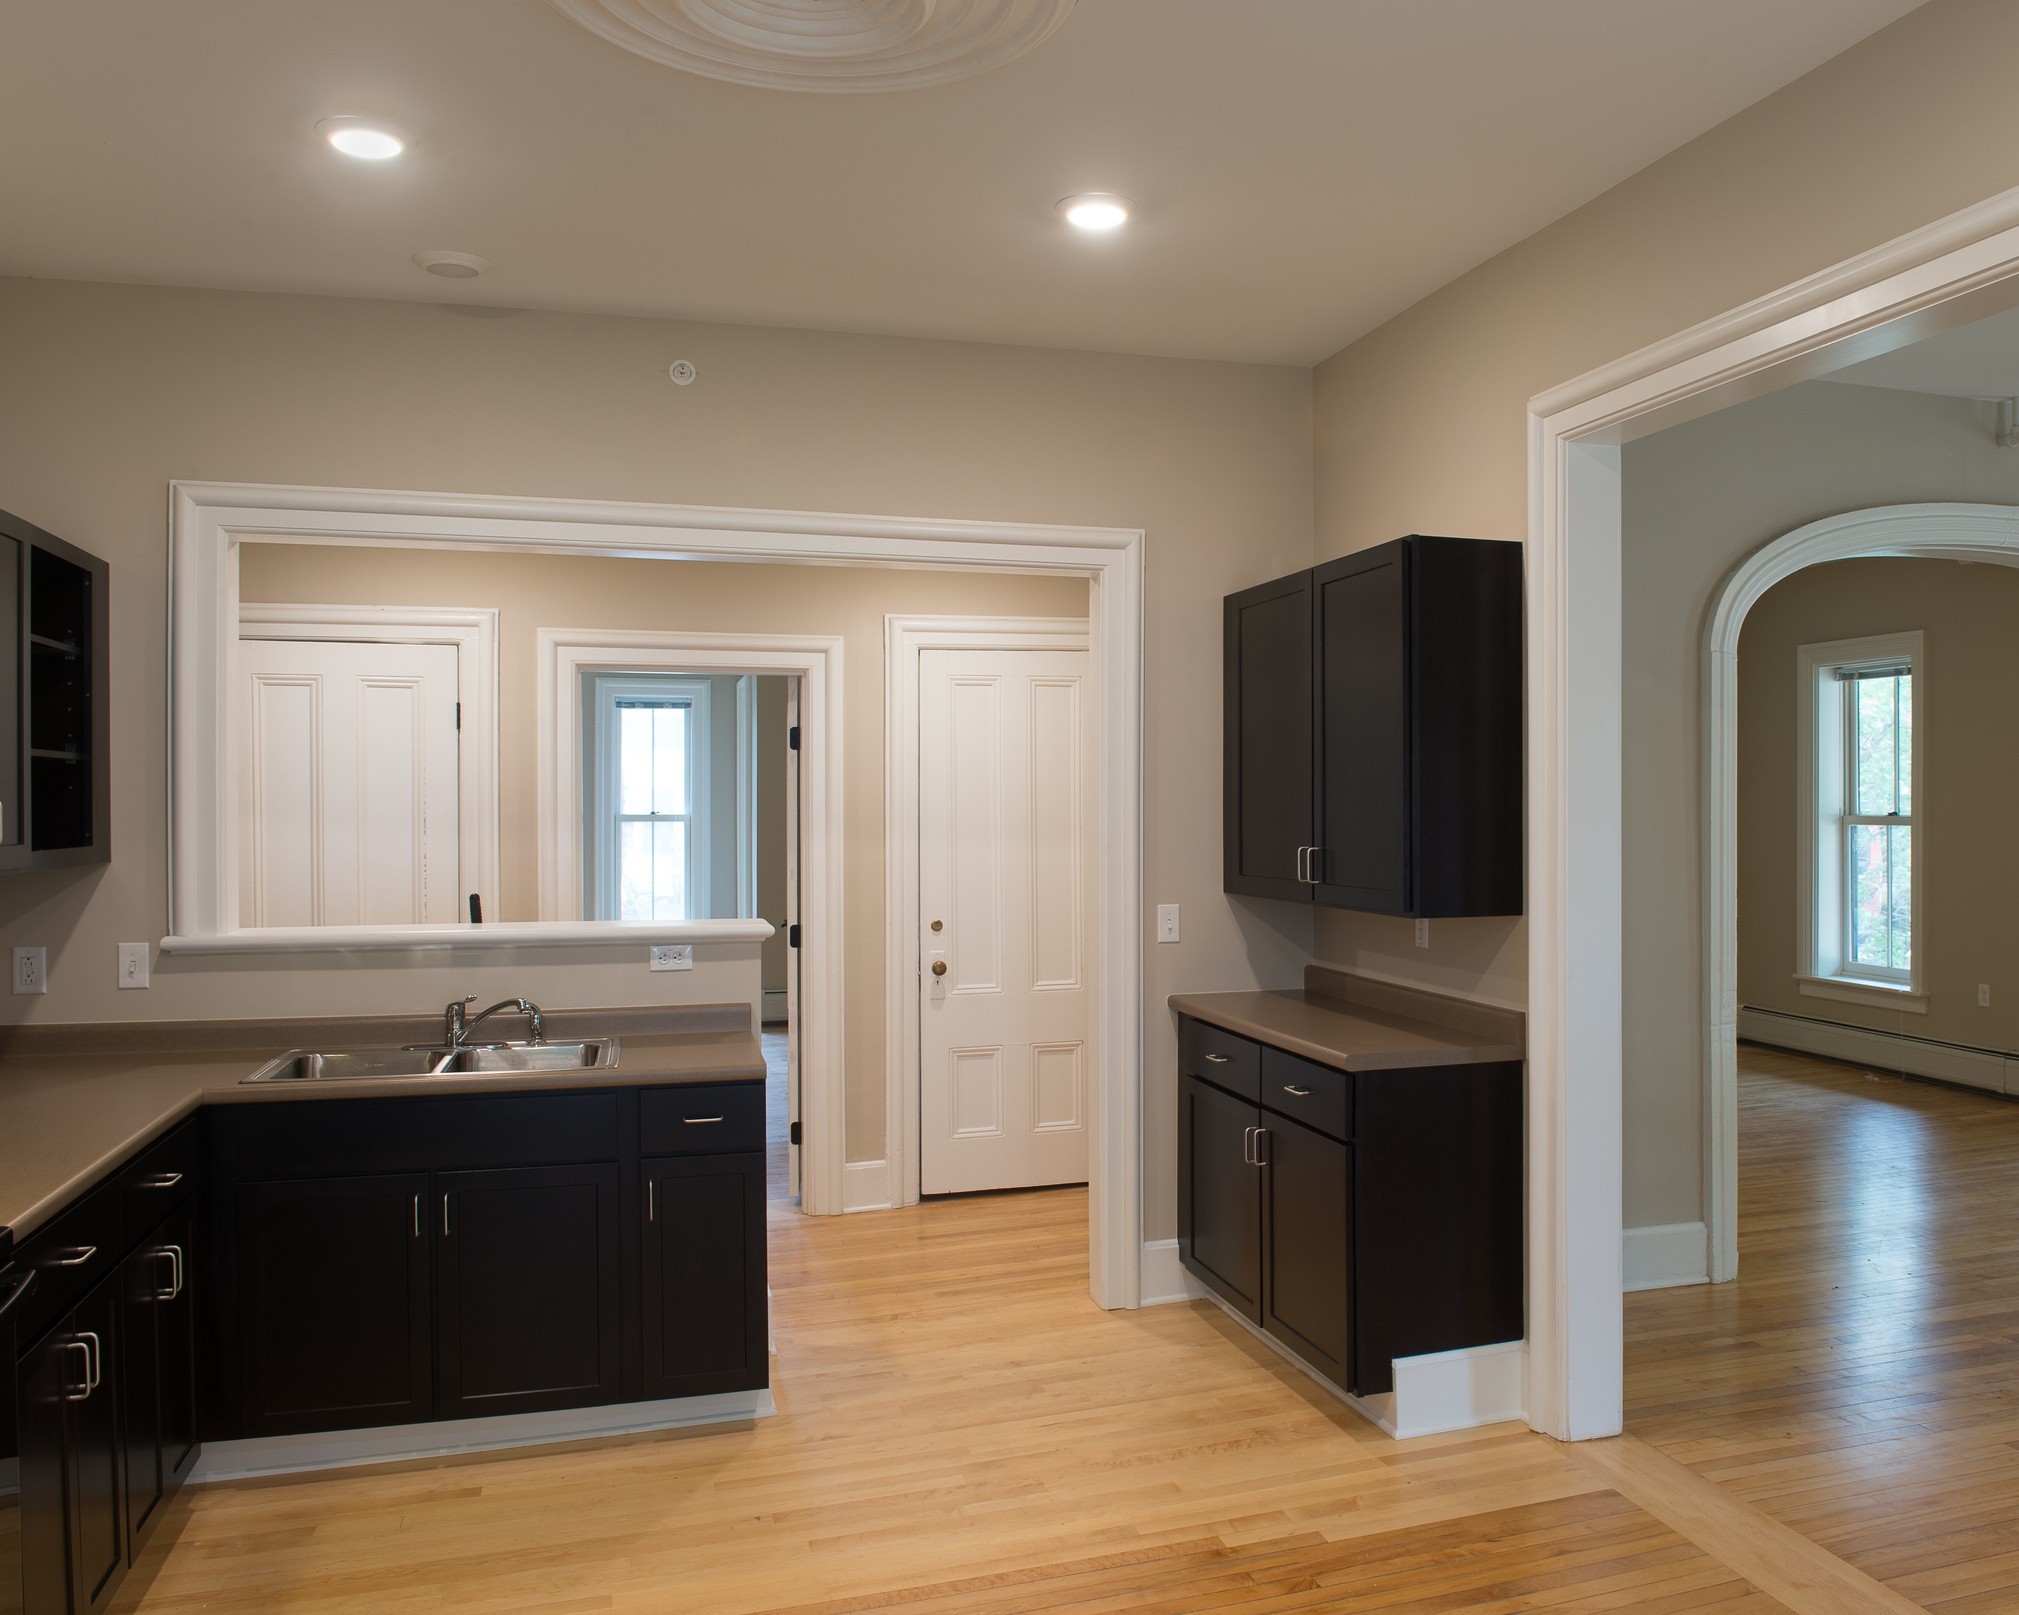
column 1356, row 1024
column 67, row 1119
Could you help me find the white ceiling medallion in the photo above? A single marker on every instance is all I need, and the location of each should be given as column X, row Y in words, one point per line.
column 837, row 46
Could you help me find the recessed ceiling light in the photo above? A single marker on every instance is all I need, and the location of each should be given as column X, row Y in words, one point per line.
column 364, row 137
column 452, row 265
column 1095, row 210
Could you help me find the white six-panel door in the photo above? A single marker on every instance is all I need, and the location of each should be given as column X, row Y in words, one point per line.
column 349, row 813
column 1005, row 1056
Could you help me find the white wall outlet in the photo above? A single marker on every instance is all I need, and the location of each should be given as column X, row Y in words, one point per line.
column 673, row 956
column 1983, row 995
column 1167, row 922
column 1423, row 933
column 31, row 970
column 133, row 964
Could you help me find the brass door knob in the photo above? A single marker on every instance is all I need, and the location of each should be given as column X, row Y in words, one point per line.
column 939, row 967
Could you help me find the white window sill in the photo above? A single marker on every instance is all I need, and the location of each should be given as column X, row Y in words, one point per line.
column 1876, row 994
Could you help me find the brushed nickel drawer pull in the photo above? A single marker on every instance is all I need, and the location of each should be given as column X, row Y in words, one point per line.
column 1292, row 1088
column 1218, row 1059
column 79, row 1255
column 700, row 1121
column 160, row 1180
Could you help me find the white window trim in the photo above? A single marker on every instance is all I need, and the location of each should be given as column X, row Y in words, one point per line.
column 599, row 849
column 1820, row 970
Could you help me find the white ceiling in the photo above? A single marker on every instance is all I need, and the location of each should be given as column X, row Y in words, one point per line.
column 1972, row 361
column 1303, row 168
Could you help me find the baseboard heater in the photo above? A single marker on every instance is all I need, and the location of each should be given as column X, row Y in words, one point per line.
column 1987, row 1070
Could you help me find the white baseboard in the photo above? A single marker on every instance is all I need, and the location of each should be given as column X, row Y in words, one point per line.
column 1437, row 1392
column 774, row 1005
column 1164, row 1276
column 1663, row 1256
column 344, row 1449
column 865, row 1186
column 1883, row 1051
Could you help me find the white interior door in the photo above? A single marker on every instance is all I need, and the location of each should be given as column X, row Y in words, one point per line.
column 1005, row 1078
column 349, row 812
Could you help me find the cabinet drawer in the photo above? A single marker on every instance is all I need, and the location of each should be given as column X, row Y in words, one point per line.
column 70, row 1254
column 1218, row 1057
column 707, row 1119
column 162, row 1179
column 1313, row 1094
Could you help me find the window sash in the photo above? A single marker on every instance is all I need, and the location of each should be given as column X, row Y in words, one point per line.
column 1851, row 676
column 604, row 818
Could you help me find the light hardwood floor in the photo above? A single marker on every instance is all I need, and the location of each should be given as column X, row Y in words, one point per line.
column 1860, row 1380
column 961, row 1430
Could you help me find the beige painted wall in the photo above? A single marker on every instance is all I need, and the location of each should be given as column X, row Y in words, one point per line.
column 565, row 591
column 114, row 390
column 1699, row 499
column 1966, row 709
column 1421, row 426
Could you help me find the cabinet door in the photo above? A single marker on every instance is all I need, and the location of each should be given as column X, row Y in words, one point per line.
column 175, row 1330
column 526, row 1306
column 146, row 1279
column 1266, row 725
column 1363, row 857
column 48, row 1373
column 1220, row 1194
column 705, row 1306
column 333, row 1304
column 92, row 1450
column 1307, row 1240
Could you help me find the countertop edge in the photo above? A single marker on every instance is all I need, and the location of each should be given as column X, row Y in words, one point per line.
column 1203, row 1007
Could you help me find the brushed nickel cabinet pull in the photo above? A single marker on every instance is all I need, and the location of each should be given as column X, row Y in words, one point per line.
column 79, row 1255
column 417, row 1216
column 700, row 1121
column 160, row 1180
column 1260, row 1134
column 445, row 1214
column 1292, row 1088
column 651, row 1200
column 1218, row 1059
column 79, row 1393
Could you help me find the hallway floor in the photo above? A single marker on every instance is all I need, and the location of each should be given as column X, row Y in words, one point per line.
column 1860, row 1380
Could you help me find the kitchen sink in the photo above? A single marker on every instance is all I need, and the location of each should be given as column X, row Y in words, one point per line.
column 422, row 1063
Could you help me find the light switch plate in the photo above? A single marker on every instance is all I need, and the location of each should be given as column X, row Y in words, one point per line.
column 31, row 970
column 1167, row 922
column 133, row 963
column 673, row 956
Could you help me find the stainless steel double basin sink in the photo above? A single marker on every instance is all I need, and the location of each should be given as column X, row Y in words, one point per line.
column 421, row 1063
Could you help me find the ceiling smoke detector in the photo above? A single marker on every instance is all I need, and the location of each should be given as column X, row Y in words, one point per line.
column 367, row 138
column 452, row 265
column 835, row 46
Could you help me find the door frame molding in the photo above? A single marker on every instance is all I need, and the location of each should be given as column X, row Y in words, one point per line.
column 904, row 637
column 208, row 520
column 1950, row 273
column 473, row 630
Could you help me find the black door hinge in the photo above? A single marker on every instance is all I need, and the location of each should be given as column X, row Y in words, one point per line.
column 794, row 1134
column 459, row 717
column 792, row 936
column 792, row 738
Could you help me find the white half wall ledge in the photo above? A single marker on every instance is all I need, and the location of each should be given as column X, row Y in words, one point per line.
column 467, row 938
column 1666, row 1256
column 345, row 1449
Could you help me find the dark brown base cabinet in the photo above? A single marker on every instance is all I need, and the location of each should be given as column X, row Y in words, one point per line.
column 1355, row 1217
column 351, row 1263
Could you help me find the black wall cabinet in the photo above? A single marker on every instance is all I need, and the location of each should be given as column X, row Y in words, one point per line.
column 1355, row 1217
column 1373, row 724
column 55, row 786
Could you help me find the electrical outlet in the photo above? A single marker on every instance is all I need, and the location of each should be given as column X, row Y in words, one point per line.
column 31, row 970
column 1423, row 933
column 133, row 964
column 1983, row 995
column 1167, row 922
column 673, row 956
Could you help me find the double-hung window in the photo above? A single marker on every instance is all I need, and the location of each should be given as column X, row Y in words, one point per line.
column 1861, row 753
column 646, row 797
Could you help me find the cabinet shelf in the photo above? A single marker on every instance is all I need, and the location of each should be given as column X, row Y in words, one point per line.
column 62, row 647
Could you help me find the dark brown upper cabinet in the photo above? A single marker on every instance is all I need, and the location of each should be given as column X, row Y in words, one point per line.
column 1373, row 732
column 55, row 790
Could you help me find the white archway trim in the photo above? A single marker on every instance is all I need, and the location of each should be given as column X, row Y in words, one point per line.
column 1955, row 532
column 1948, row 274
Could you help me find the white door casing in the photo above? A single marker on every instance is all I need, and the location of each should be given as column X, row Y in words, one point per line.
column 1004, row 1045
column 349, row 787
column 794, row 1155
